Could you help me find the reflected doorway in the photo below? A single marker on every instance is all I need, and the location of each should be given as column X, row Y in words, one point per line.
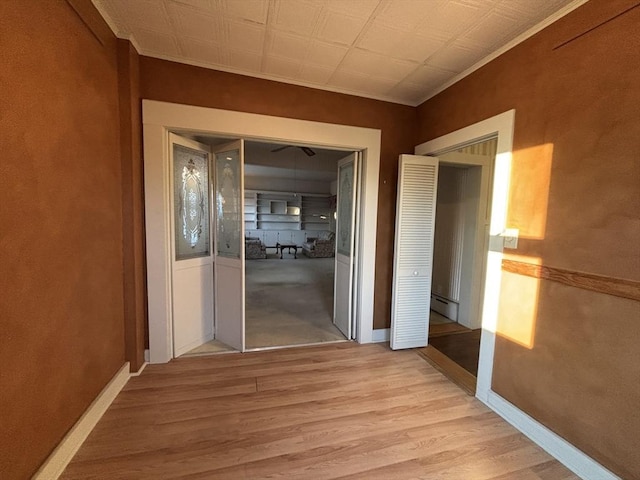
column 461, row 236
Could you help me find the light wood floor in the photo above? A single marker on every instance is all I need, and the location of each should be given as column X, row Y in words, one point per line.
column 333, row 411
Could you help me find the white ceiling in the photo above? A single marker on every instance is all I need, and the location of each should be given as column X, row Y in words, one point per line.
column 402, row 51
column 292, row 163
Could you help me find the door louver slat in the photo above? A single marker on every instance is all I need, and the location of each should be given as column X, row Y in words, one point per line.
column 413, row 259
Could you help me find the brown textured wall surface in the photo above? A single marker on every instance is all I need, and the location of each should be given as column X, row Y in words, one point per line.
column 61, row 304
column 575, row 196
column 177, row 83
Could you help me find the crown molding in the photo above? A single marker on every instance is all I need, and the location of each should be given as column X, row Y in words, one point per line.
column 114, row 26
column 383, row 98
column 274, row 78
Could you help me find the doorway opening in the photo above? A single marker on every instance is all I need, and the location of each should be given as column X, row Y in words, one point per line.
column 161, row 118
column 290, row 221
column 461, row 238
column 488, row 278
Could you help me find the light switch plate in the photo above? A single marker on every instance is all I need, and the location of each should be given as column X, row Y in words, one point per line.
column 510, row 236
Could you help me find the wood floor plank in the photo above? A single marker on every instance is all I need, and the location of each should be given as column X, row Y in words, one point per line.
column 455, row 372
column 346, row 411
column 350, row 426
column 550, row 470
column 337, row 459
column 259, row 419
column 265, row 368
column 458, row 462
column 300, row 440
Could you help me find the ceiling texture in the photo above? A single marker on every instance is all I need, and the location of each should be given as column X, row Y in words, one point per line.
column 402, row 51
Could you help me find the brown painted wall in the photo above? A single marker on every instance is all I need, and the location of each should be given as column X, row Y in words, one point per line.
column 60, row 225
column 177, row 83
column 575, row 196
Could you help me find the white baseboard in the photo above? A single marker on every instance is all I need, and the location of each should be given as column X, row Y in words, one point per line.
column 53, row 467
column 381, row 335
column 572, row 458
column 142, row 367
column 146, row 355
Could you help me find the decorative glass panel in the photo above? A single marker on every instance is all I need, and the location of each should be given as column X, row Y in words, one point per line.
column 228, row 203
column 191, row 202
column 345, row 208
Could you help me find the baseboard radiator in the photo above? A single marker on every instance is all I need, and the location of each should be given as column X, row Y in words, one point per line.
column 444, row 306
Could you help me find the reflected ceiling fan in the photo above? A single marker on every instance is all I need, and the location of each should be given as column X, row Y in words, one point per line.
column 306, row 150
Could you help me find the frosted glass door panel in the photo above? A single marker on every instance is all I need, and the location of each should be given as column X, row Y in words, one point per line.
column 229, row 203
column 343, row 305
column 192, row 297
column 191, row 202
column 345, row 208
column 229, row 244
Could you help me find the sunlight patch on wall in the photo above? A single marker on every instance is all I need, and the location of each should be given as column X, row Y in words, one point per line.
column 499, row 204
column 500, row 197
column 518, row 306
column 492, row 288
column 529, row 192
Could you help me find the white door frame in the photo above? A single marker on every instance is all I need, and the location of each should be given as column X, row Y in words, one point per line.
column 500, row 126
column 159, row 118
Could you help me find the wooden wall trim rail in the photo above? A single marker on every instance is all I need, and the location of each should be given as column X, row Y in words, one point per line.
column 618, row 287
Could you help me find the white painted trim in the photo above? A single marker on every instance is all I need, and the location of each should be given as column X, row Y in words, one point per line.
column 574, row 459
column 157, row 223
column 140, row 370
column 502, row 126
column 505, row 48
column 161, row 117
column 146, row 355
column 53, row 467
column 381, row 335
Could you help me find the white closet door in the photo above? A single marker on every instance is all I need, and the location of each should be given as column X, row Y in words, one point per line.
column 413, row 257
column 343, row 309
column 192, row 260
column 229, row 243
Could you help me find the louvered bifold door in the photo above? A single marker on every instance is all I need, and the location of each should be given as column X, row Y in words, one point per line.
column 413, row 253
